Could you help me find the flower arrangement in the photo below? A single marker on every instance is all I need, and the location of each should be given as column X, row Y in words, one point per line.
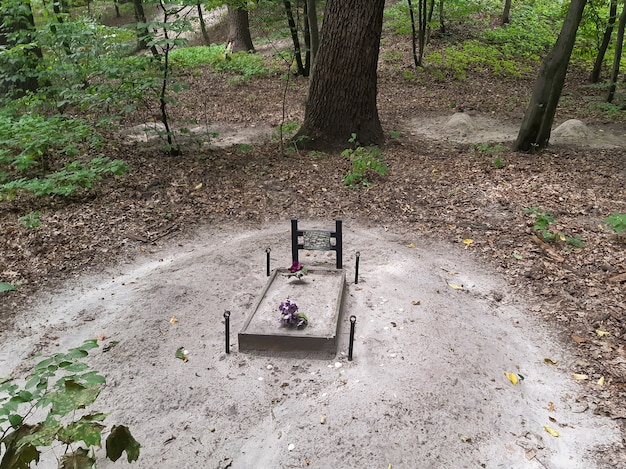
column 297, row 270
column 289, row 315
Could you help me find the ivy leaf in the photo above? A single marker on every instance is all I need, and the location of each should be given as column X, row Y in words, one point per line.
column 121, row 440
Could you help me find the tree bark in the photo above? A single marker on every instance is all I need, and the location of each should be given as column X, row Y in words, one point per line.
column 536, row 126
column 619, row 43
column 314, row 28
column 342, row 95
column 506, row 13
column 239, row 38
column 606, row 40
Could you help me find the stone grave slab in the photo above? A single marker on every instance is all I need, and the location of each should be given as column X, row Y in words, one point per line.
column 319, row 295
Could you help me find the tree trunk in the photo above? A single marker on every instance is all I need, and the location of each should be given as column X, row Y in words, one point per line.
column 205, row 33
column 314, row 29
column 142, row 31
column 618, row 55
column 294, row 38
column 535, row 131
column 506, row 13
column 342, row 95
column 239, row 38
column 606, row 40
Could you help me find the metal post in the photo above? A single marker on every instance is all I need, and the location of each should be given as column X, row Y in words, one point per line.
column 339, row 243
column 267, row 252
column 227, row 327
column 294, row 240
column 351, row 345
column 356, row 270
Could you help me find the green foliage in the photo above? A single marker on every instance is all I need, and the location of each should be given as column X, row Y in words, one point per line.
column 364, row 160
column 59, row 386
column 31, row 220
column 73, row 176
column 617, row 222
column 4, row 286
column 220, row 60
column 543, row 220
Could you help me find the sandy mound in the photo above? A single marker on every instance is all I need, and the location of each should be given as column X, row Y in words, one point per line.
column 435, row 334
column 460, row 125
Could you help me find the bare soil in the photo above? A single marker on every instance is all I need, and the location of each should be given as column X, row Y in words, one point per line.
column 208, row 214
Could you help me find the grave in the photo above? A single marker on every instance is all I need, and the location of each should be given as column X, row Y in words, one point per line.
column 319, row 294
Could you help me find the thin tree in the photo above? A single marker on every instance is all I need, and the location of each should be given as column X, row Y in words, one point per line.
column 506, row 13
column 619, row 43
column 205, row 33
column 311, row 6
column 536, row 126
column 606, row 40
column 143, row 32
column 295, row 39
column 342, row 94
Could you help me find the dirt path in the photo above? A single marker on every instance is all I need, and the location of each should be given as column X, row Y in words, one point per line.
column 436, row 332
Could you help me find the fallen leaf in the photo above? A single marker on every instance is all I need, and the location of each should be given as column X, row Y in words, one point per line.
column 465, row 438
column 101, row 337
column 552, row 419
column 198, row 187
column 600, row 381
column 550, row 362
column 416, row 302
column 455, row 286
column 512, row 377
column 518, row 256
column 602, row 333
column 580, row 377
column 551, row 431
column 173, row 320
column 467, row 242
column 182, row 354
column 550, row 406
column 578, row 339
column 411, row 245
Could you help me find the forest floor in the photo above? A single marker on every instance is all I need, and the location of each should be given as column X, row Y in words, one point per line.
column 443, row 196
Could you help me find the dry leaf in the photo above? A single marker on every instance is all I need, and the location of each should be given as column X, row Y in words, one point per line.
column 550, row 362
column 550, row 406
column 411, row 245
column 173, row 320
column 455, row 286
column 600, row 381
column 551, row 431
column 465, row 438
column 101, row 337
column 467, row 242
column 602, row 333
column 580, row 377
column 512, row 377
column 415, row 302
column 198, row 187
column 578, row 339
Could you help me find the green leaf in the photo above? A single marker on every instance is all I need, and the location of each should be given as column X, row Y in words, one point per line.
column 70, row 397
column 18, row 454
column 121, row 440
column 79, row 459
column 82, row 430
column 4, row 286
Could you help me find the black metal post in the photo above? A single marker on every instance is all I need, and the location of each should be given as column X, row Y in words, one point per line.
column 267, row 252
column 351, row 345
column 339, row 243
column 356, row 269
column 294, row 240
column 227, row 327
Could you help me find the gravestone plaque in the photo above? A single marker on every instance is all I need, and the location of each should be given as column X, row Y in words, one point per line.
column 317, row 240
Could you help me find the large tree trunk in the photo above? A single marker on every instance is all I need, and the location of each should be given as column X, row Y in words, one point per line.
column 239, row 38
column 619, row 43
column 535, row 131
column 342, row 95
